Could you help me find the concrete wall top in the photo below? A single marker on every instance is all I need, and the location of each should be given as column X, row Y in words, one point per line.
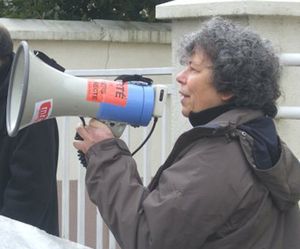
column 96, row 30
column 197, row 8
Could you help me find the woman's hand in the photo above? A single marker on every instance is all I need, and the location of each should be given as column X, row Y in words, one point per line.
column 91, row 134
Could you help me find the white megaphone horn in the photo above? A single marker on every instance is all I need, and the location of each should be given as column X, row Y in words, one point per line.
column 38, row 92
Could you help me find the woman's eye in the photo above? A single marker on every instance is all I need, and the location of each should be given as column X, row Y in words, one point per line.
column 194, row 69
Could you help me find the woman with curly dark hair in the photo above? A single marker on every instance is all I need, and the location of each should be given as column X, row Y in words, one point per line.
column 242, row 63
column 230, row 182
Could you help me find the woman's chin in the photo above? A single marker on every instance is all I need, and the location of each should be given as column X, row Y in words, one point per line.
column 185, row 113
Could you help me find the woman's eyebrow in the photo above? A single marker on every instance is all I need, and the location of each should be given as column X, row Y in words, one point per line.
column 200, row 65
column 195, row 63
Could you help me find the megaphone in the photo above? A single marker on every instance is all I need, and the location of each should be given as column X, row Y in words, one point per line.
column 38, row 92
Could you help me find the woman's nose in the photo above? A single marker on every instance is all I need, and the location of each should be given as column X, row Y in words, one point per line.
column 181, row 77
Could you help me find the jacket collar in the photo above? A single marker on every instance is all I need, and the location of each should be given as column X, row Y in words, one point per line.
column 235, row 117
column 205, row 116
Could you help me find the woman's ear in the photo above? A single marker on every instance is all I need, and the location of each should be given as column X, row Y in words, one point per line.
column 225, row 96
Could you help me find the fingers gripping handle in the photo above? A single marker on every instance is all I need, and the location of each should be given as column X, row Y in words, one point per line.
column 116, row 128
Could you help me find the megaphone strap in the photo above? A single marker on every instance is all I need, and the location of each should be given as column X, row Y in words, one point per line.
column 135, row 79
column 51, row 62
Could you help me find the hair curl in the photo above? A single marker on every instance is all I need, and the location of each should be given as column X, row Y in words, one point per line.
column 244, row 64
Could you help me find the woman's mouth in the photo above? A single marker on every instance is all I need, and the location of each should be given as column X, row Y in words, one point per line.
column 183, row 95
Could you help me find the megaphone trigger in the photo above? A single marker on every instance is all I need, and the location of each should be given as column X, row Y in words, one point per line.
column 116, row 128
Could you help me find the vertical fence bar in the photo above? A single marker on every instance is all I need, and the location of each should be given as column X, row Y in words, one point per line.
column 146, row 168
column 112, row 241
column 163, row 136
column 81, row 205
column 65, row 179
column 126, row 136
column 99, row 231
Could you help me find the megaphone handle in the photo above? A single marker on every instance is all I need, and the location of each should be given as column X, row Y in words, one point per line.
column 80, row 154
column 116, row 128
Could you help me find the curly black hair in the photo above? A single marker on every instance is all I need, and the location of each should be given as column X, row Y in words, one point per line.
column 244, row 64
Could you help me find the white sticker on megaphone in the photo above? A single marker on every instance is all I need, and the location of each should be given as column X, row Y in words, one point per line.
column 42, row 110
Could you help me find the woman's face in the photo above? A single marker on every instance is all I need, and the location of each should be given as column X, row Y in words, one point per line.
column 196, row 86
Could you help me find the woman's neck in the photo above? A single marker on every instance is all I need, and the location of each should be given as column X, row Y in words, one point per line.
column 205, row 116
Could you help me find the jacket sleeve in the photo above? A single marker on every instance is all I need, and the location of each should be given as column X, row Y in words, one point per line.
column 33, row 174
column 185, row 208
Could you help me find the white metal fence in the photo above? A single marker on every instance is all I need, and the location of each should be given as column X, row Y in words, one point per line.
column 286, row 112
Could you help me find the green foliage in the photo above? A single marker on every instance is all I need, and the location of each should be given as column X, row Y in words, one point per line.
column 128, row 10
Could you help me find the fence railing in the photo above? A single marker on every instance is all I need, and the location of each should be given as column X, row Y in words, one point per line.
column 286, row 112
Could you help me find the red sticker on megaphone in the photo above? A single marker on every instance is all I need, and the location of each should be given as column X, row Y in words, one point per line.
column 42, row 110
column 105, row 91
